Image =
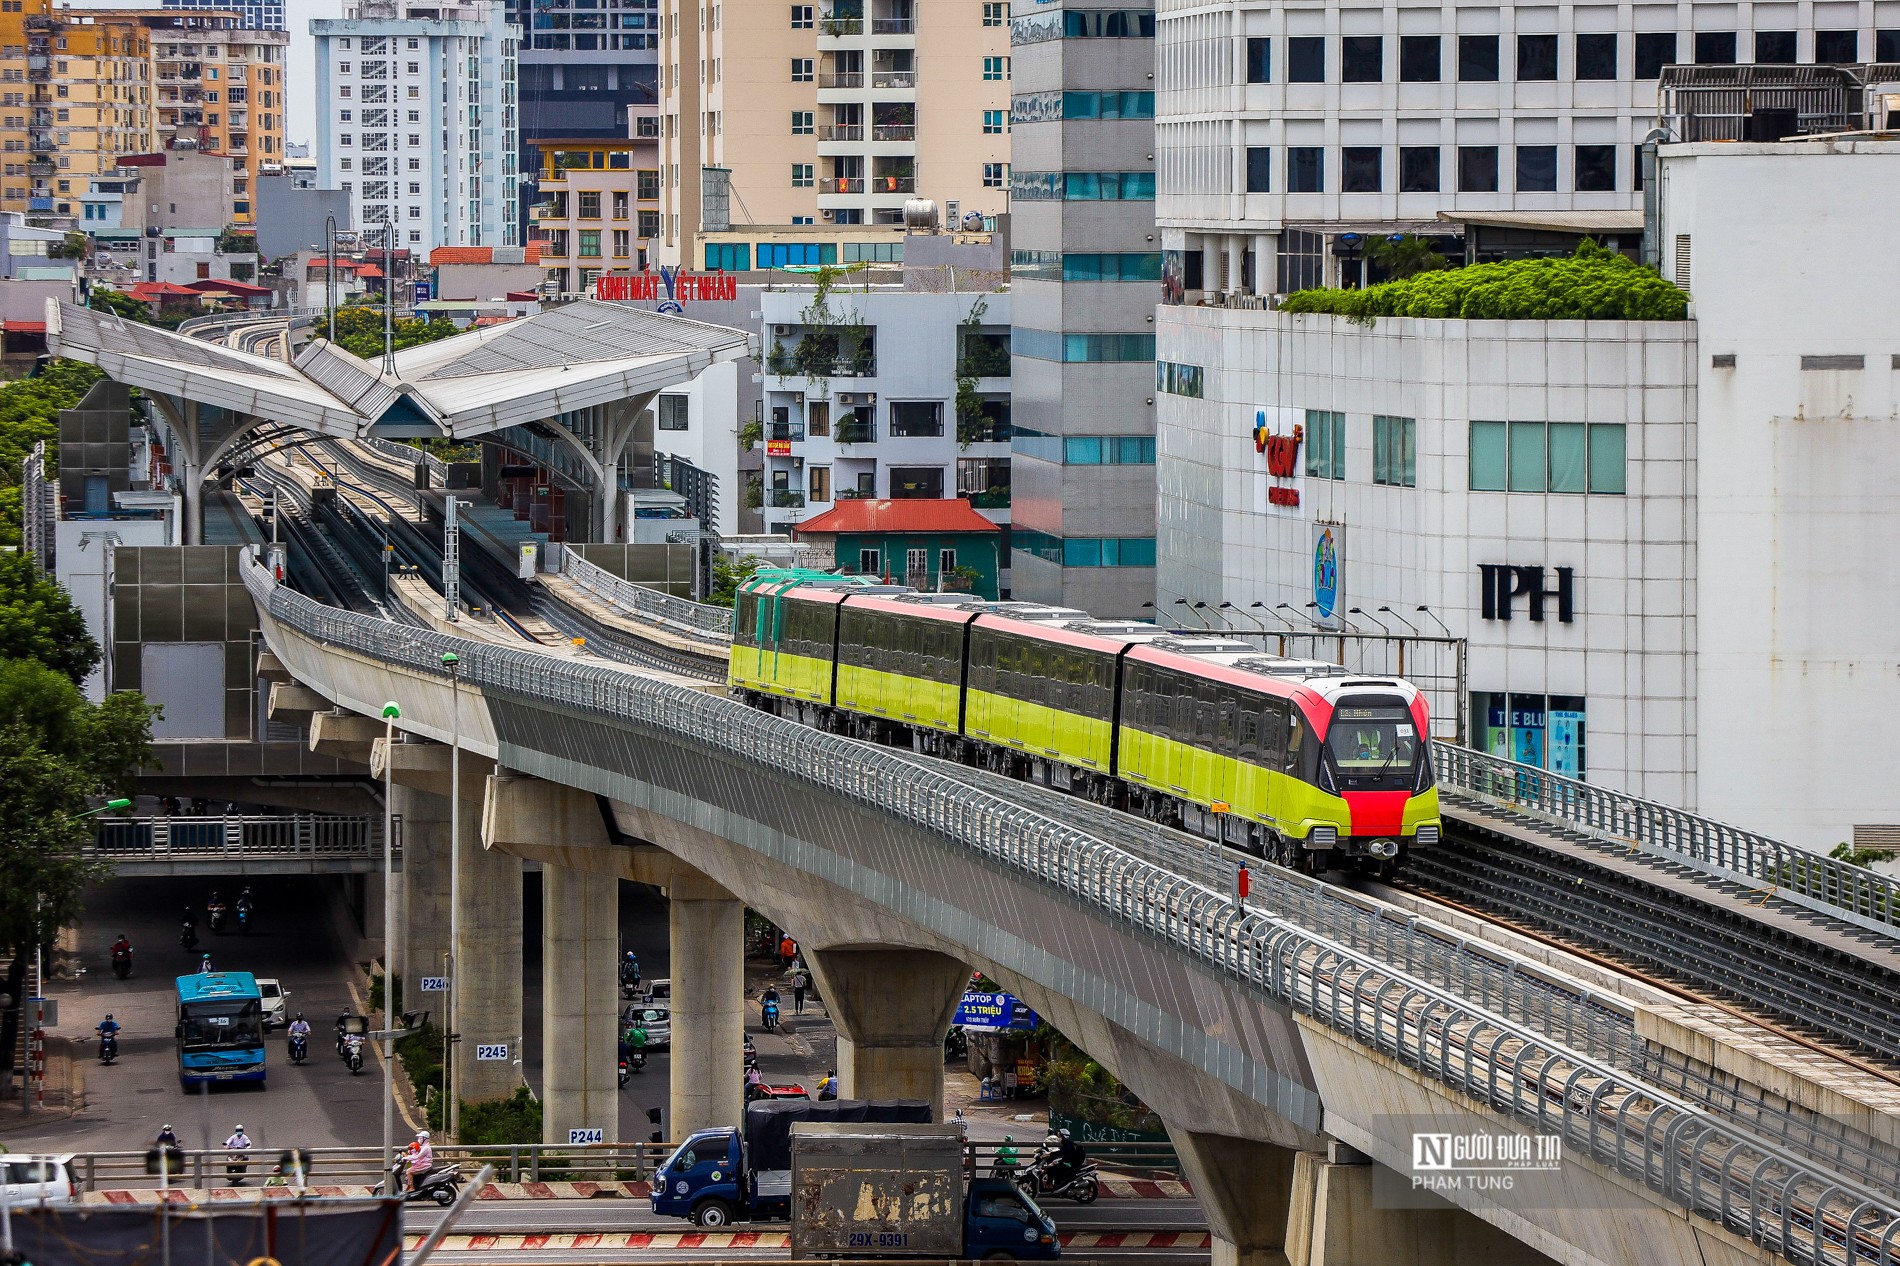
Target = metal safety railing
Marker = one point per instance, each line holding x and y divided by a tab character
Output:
236	836
1843	889
709	623
410	454
1674	1148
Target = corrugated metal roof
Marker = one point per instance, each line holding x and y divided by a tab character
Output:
900	515
584	331
347	377
111	333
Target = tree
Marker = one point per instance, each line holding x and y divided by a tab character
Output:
38	623
1404	255
118	303
359	331
57	751
728	576
29	411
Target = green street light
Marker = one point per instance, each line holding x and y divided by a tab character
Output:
391	711
107	807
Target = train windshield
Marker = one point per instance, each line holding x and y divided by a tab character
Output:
1374	747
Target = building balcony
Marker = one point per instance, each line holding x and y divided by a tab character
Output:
855	433
841	131
989	498
893	26
841	184
893	79
840	28
793	432
842	79
785	499
893	184
894	132
40	167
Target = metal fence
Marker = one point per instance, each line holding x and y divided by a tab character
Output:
237	836
409	455
1842	889
708	623
1753	1187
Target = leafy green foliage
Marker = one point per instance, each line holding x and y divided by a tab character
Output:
120	304
727	577
516	1119
359	331
39	624
1405	255
1592	285
29	411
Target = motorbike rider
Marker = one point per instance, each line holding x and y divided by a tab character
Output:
828	1084
420	1158
107	1028
246	904
768	1001
121	946
636	1038
630	971
237	1146
1006	1160
754	1081
341	1021
167	1137
1066	1163
299	1028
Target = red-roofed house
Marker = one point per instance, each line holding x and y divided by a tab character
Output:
242	292
928	544
482	273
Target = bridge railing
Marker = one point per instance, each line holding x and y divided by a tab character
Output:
1717	1169
438	469
712	624
1856	893
237	836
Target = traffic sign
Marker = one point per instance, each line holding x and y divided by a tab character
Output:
435	984
492	1051
579	1137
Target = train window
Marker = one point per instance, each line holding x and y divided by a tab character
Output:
746	610
1249	734
1224	726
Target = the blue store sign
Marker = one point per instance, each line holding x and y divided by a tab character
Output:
994	1012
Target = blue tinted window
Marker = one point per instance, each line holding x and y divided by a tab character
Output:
733	257
1083	450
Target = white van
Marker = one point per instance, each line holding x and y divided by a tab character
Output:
27	1180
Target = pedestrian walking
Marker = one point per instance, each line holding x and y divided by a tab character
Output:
787	950
800	983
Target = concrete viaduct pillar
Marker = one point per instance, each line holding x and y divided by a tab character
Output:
486	975
1246	1190
1338	1219
422	930
892	1008
564	829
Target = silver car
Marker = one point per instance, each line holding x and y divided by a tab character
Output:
657	1021
273	993
42	1179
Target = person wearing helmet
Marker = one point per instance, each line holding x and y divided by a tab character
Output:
236	1149
630	971
421	1158
1005	1158
1068	1161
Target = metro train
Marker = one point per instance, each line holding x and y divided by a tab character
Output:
1298	761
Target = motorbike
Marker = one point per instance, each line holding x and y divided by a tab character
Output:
299	1048
768	1013
235	1166
244	919
215	917
1038	1180
751	1052
122	963
188	936
440	1184
108	1047
353	1052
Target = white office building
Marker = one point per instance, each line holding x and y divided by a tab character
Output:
418	119
1667	545
880	419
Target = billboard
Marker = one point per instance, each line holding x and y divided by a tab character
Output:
993	1013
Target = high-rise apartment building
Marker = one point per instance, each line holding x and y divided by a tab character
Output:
1085	277
257	15
75	93
418	119
827	114
219	85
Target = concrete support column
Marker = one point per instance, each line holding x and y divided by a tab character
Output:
706	934
1337	1220
487	971
1209	244
422	930
892	1008
580	998
1266	262
1236	253
1245	1188
374	899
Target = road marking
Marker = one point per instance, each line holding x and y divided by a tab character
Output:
718	1240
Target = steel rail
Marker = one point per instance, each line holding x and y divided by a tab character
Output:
1750	1185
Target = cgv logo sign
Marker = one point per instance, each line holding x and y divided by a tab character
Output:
1500	585
1283	458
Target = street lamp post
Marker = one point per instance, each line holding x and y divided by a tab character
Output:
452	1112
329	271
390	714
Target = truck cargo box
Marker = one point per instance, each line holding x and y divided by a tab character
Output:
869	1190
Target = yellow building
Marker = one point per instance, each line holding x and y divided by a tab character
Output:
833	113
221	85
75	93
597	209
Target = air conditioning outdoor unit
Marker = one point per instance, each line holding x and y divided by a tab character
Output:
781	330
847	397
951	212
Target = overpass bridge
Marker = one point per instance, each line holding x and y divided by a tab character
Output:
1311	1050
143	846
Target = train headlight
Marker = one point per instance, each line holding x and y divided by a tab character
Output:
1322	837
1427	836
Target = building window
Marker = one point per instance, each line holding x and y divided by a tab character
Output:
1259	169
916	419
1325	444
623	243
995	122
1085	551
996	13
1081	348
622	204
1532	729
648	223
1536	58
1359	169
802	17
996	68
1775	48
646	184
1418	59
1553	457
1418	169
673	413
1305	169
589	201
1306	59
589	244
1715	48
1179	380
1394	451
1887	46
1596	56
1259	60
995	175
1654	50
1836	47
923	483
802	122
1596	169
801	70
1361	59
1478	58
1537	169
804	175
731	257
1477	169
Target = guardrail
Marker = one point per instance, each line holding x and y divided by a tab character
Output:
235	836
517	1162
223	321
438	469
1674	1148
1851	892
694	619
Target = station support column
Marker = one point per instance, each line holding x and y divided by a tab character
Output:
892	1008
580	991
706	937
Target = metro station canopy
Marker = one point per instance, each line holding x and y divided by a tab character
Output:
537	368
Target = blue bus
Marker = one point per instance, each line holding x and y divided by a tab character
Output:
220	1028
